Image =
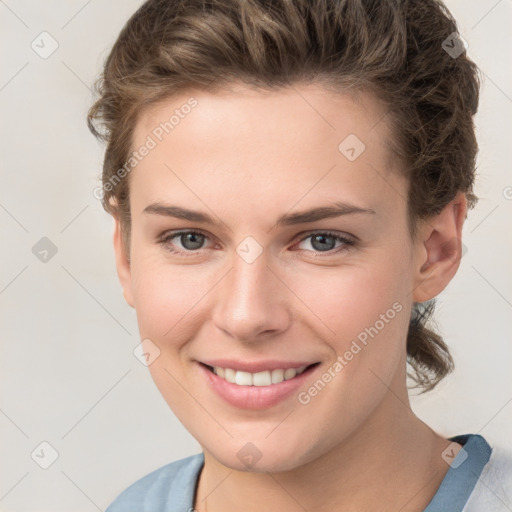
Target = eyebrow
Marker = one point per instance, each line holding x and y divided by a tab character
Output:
312	215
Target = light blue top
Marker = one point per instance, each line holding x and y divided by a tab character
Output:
172	487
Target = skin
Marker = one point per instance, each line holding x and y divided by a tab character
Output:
247	157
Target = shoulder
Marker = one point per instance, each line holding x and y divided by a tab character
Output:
493	490
167	488
479	478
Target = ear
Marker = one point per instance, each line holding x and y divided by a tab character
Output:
122	264
439	250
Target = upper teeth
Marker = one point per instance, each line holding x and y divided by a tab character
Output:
265	378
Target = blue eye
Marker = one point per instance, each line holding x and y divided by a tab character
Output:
325	242
193	241
190	240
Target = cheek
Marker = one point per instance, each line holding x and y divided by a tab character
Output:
362	314
168	305
167	299
346	300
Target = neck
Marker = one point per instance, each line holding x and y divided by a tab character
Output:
393	462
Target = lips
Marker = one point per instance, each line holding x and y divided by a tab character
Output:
260	396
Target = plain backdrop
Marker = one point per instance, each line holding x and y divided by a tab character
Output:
68	374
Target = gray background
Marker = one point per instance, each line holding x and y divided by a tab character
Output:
67	370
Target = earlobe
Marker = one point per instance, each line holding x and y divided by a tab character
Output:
441	251
122	264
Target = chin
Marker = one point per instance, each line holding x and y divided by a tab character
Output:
247	457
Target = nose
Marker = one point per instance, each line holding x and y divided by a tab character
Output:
251	303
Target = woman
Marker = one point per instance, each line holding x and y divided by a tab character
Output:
289	181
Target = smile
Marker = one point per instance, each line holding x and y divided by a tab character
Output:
263	378
267	384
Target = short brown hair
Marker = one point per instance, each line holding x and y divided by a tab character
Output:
395	49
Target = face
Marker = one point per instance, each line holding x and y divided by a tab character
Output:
265	236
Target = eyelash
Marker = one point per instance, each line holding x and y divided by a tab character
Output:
347	242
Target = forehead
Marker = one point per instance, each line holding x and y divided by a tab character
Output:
242	142
307	110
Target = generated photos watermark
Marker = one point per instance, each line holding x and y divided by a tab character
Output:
356	346
156	136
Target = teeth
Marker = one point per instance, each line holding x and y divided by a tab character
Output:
277	376
265	378
243	378
229	374
261	379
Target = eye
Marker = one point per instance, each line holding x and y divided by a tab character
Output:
326	242
190	241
